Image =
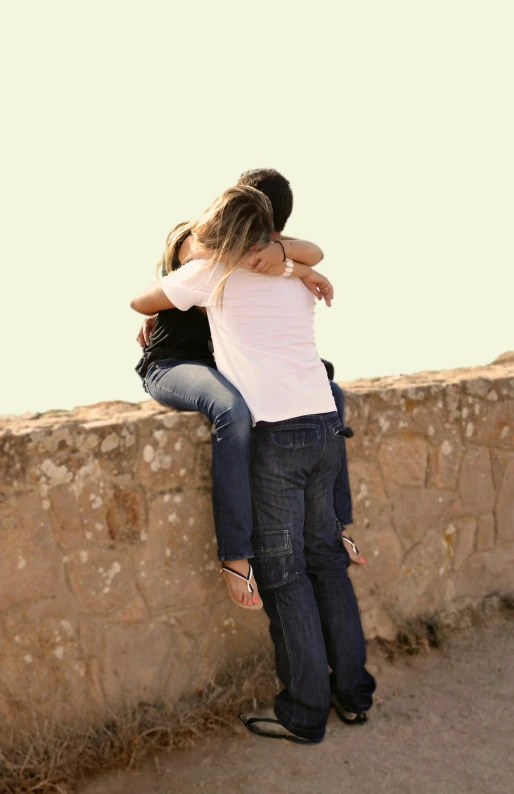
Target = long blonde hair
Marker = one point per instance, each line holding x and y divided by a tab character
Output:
239	219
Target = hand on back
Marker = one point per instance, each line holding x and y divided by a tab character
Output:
146	331
263	259
319	285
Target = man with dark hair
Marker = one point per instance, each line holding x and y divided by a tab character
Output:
276	188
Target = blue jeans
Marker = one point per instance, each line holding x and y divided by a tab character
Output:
300	565
198	386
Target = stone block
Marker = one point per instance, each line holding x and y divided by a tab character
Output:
67	521
356	416
449	454
102	580
485	532
366	482
356	410
225	633
134	612
125	515
191	424
136	661
376	621
505	506
487	572
31	561
177	564
384	554
453	401
495	425
403	460
420	586
42	663
67	455
475	481
96	512
166	459
13	461
371	507
463	539
416	510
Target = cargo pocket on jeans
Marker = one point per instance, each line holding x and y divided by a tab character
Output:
273	561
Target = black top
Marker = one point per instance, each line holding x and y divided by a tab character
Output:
177	334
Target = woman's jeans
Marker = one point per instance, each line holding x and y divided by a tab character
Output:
300	564
198	386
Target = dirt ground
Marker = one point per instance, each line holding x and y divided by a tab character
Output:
443	724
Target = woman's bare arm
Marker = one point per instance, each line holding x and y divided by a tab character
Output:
270	259
151	301
301	251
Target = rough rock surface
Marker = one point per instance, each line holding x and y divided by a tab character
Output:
110	588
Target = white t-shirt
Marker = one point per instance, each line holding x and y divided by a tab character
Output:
263	338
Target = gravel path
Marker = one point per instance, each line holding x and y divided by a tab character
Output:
443	724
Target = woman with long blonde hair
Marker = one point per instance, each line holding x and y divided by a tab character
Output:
234	232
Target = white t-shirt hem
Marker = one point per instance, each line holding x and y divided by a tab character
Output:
285	416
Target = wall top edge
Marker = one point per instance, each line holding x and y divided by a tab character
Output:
499	370
499	373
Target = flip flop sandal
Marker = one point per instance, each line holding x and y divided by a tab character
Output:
348	717
278	731
249	587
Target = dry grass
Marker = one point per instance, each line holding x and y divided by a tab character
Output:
421	634
53	757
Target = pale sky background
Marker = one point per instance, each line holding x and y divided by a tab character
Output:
393	121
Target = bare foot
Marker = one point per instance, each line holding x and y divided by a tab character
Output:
355	556
239	586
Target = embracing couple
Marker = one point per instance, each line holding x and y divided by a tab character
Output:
280	483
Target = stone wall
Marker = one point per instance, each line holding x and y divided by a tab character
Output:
110	588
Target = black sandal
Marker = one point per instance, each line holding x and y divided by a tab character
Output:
281	731
349	718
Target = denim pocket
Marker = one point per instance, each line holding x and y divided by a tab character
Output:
296	436
273	561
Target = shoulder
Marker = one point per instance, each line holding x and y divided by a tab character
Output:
200	271
192	284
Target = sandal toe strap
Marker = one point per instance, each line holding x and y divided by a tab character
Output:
352	544
246	579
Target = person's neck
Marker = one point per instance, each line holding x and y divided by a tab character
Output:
275	236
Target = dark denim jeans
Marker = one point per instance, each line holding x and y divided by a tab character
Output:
198	386
300	565
342	492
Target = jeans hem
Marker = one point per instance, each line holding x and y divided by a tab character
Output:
232	557
311	736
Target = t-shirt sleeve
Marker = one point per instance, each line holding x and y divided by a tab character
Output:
192	285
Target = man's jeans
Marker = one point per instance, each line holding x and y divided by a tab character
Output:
198	386
300	565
